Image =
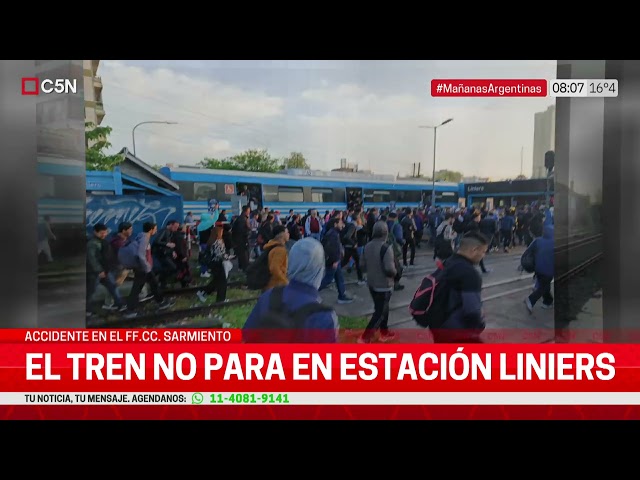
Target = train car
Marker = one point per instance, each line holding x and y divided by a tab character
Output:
61	190
302	190
61	193
509	193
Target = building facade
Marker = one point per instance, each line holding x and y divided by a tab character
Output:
544	139
93	106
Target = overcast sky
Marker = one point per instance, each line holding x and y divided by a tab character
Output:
365	111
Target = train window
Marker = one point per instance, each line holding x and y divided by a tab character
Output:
290	194
378	196
407	196
186	190
63	187
204	191
340	195
270	193
322	195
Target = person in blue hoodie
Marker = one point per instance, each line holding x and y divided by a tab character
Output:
305	271
507	224
544	269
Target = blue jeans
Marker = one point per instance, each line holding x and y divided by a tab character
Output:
337	275
203	268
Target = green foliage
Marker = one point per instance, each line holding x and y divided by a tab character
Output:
448	176
295	160
248	161
97	141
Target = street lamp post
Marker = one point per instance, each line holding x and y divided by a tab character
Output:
133	132
433	177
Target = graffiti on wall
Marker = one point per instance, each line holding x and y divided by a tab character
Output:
112	210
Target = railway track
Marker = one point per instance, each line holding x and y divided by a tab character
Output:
491	291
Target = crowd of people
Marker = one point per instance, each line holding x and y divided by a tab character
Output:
291	257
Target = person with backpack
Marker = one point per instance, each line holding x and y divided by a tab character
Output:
214	256
396	240
294	313
334	253
136	255
350	243
449	301
445	237
379	263
543	252
277	257
269	269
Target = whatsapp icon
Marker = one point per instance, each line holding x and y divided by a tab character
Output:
197	398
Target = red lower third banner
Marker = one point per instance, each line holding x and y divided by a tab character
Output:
212	374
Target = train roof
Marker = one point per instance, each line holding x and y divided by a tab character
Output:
345	177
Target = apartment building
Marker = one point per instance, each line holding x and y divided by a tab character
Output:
93	106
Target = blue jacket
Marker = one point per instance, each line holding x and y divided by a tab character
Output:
543	246
419	224
319	327
396	229
507	222
134	253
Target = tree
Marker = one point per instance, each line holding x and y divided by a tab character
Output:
521	177
448	176
249	161
296	160
96	138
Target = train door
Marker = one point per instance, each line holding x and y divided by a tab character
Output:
489	204
254	192
354	197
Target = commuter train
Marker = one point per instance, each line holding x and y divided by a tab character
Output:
302	190
61	190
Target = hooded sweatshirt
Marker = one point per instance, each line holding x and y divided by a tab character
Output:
380	272
543	246
305	271
134	253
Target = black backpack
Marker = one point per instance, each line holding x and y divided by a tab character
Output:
431	300
258	273
282	325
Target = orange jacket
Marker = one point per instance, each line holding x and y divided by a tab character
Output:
278	264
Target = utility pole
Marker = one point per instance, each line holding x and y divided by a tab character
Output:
521	159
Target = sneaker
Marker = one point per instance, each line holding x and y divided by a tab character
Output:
130	314
202	296
547	307
123	308
362	282
527	302
111	308
344	300
205	275
166	304
89	314
387	336
145	297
